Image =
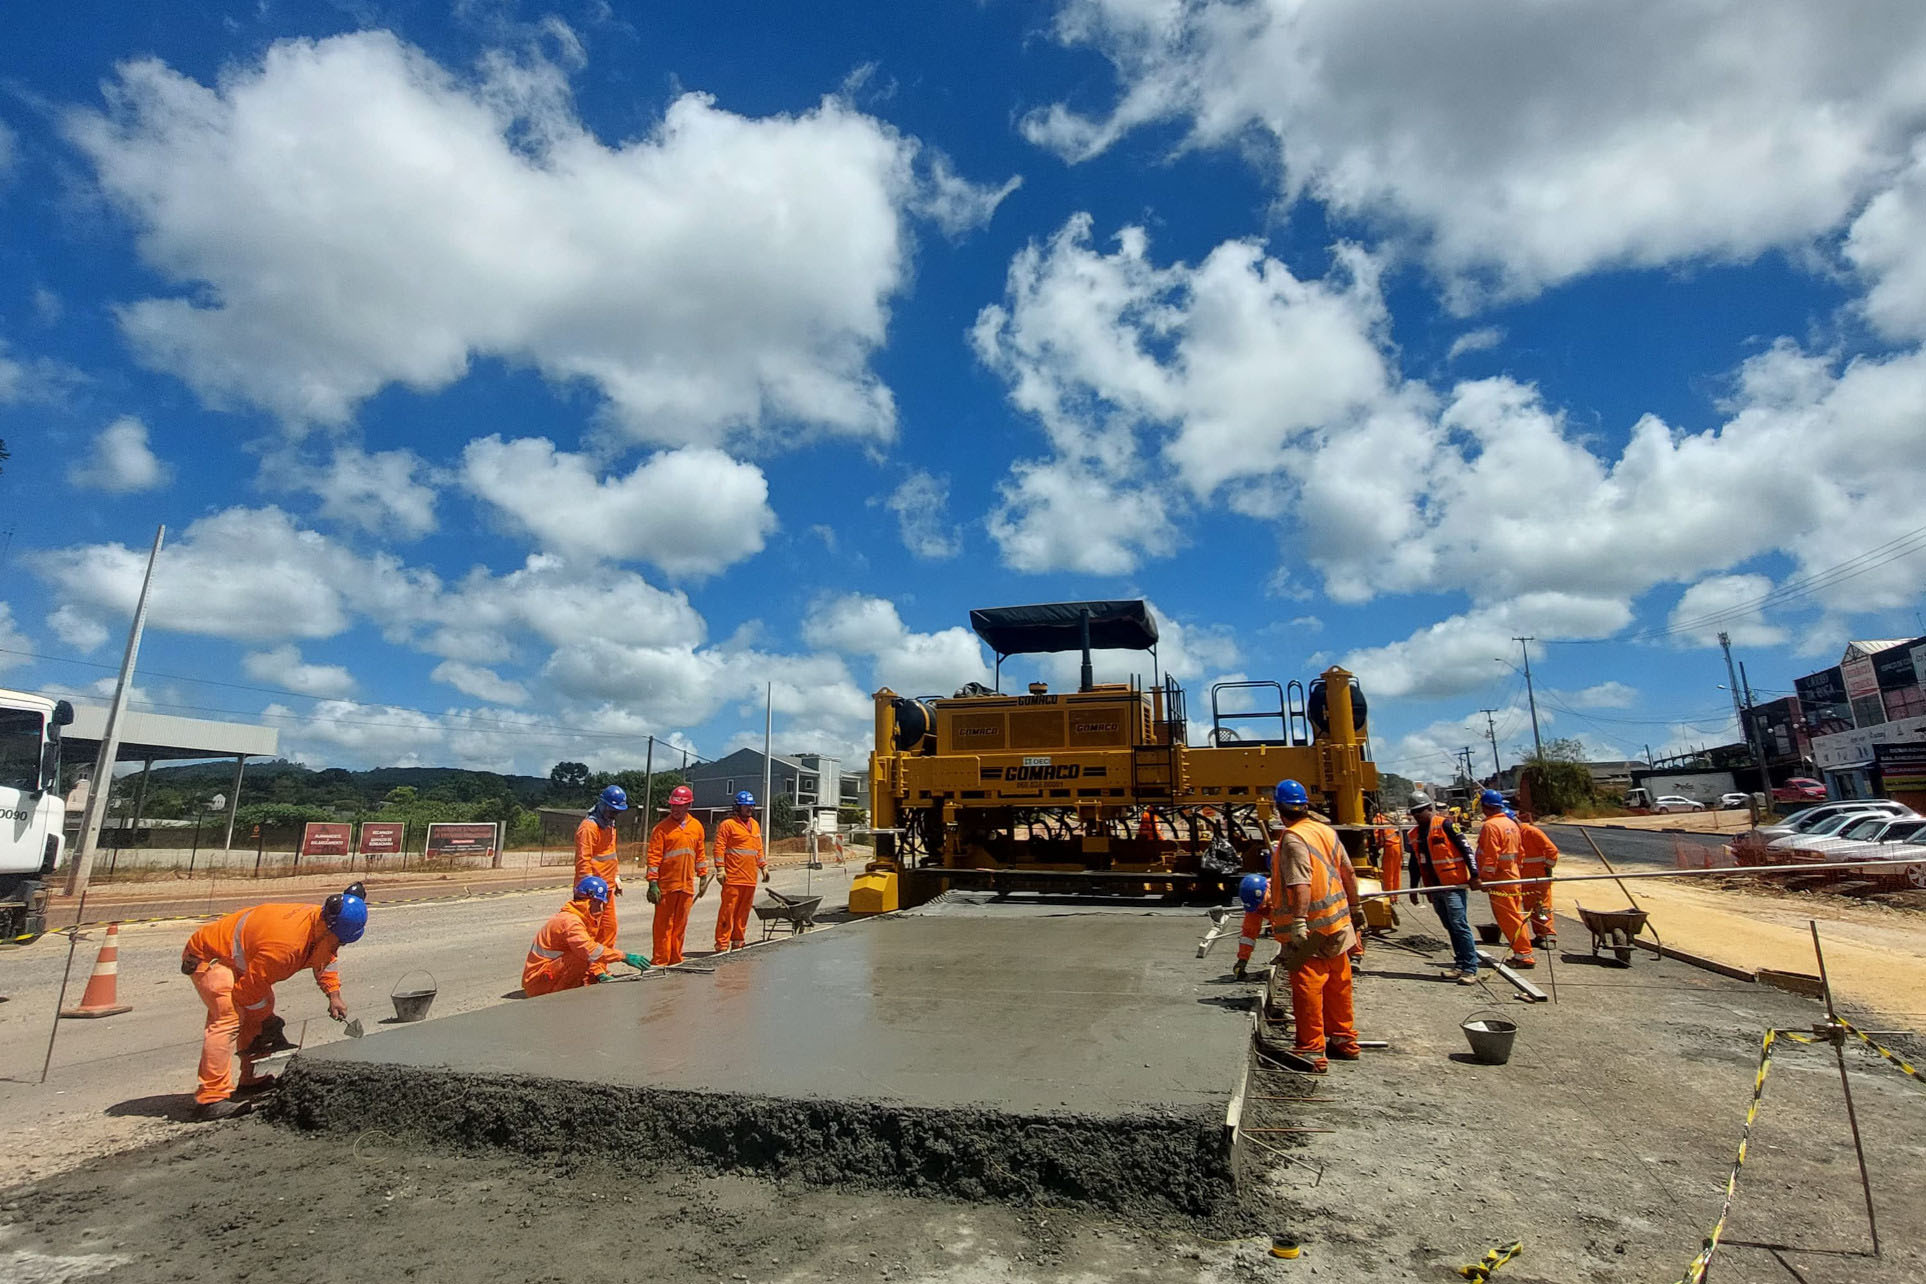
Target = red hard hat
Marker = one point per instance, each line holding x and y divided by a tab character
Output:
681	794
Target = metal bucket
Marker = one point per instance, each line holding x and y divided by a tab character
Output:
1491	1038
413	1004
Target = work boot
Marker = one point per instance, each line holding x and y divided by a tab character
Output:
1342	1051
1521	963
209	1111
1318	1064
256	1087
1467	978
1240	970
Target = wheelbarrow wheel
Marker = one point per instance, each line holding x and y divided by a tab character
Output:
1622	946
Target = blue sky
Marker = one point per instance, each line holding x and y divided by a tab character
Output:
518	382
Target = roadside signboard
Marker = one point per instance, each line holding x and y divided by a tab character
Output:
1902	768
325	838
465	838
1895	668
382	837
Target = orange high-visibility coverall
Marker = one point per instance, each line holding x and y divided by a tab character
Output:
1391	860
676	860
1251	930
567	951
1498	850
1537	855
236	961
740	860
595	854
1321	1007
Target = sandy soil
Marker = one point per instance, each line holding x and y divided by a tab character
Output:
1603	1145
1876	953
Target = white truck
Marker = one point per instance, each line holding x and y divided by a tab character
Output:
31	812
1702	785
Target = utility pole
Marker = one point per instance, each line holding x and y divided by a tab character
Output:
1740	706
1492	732
103	786
1531	696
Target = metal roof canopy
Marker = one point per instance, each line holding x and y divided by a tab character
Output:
160	737
1058	626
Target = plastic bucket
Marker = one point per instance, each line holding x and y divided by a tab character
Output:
412	1004
1491	1039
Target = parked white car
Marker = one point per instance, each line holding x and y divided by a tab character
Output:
1863	840
1673	802
1822	835
1734	802
1754	841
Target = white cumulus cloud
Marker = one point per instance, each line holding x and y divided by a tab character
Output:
480	682
922	508
692	511
121	462
346	214
282	666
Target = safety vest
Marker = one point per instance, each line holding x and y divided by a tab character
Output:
1448	867
1536	851
1330	909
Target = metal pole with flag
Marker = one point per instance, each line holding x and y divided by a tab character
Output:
103	783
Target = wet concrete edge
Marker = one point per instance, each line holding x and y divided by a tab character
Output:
1151	1163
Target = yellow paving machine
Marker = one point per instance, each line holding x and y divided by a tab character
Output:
1100	788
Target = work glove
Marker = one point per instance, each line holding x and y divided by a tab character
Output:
1300	932
655	893
765	875
1357	917
636	961
617	887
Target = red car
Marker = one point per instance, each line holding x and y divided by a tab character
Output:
1799	789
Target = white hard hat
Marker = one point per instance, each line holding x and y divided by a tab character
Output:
1419	800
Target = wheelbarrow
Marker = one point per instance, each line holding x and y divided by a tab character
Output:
797	911
1613	930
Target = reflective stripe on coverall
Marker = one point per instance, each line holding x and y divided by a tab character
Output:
1498	847
567	951
1537	855
740	862
236	961
1321	1007
676	859
595	854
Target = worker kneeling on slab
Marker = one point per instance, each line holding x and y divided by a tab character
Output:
1317	922
1255	893
237	960
568	951
741	864
676	861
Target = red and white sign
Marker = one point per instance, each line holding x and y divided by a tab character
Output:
1861	678
324	838
464	838
382	837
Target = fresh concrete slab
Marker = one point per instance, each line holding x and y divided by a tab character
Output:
1028	1051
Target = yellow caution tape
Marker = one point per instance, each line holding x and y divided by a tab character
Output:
1481	1269
1899	1063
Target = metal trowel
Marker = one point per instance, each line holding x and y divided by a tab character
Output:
353	1029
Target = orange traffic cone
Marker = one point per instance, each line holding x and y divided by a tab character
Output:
99	1000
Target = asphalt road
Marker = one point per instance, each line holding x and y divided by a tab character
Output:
1645	848
142	1062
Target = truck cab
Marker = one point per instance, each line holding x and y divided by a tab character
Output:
31	811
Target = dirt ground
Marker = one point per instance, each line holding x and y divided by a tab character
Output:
1603	1145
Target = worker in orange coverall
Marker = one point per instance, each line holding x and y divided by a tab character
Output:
1317	924
237	960
1498	851
1255	893
595	853
1538	858
568	951
741	864
676	860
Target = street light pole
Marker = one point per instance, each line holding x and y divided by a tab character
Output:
1746	727
1531	697
1492	732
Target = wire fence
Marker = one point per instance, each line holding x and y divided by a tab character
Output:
164	851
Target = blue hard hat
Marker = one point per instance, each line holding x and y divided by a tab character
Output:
592	888
1291	794
1251	891
744	798
346	914
614	798
1491	798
